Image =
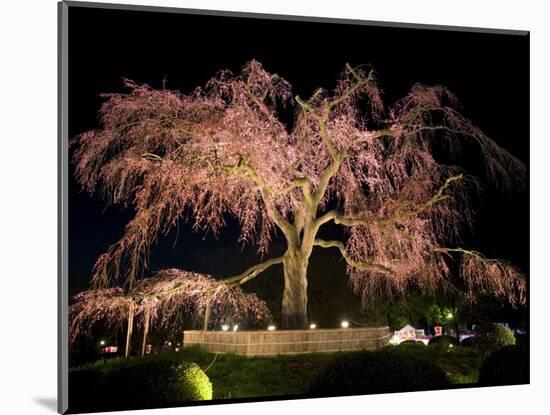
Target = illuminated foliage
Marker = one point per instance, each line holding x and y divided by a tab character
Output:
108	306
174	291
163	297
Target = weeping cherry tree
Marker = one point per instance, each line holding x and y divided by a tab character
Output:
347	158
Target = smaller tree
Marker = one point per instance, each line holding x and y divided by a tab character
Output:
491	337
160	300
446	315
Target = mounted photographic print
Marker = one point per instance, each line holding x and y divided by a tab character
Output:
261	207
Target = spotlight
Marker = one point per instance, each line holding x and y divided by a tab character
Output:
235	327
225	327
345	324
271	328
313	326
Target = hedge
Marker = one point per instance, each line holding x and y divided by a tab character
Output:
138	384
378	372
506	366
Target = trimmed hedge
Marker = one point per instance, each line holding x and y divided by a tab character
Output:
378	372
506	366
491	337
443	341
139	384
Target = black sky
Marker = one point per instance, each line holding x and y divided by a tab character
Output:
489	73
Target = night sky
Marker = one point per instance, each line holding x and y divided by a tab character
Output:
489	73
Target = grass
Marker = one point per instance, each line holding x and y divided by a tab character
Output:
236	376
460	364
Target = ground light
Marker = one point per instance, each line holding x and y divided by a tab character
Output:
235	327
225	327
313	326
271	328
102	342
344	324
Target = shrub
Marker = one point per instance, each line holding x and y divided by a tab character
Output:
378	372
141	384
195	384
412	344
491	337
443	341
159	383
506	366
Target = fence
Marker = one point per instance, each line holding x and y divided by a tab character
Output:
269	343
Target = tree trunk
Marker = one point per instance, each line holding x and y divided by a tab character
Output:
145	331
129	329
207	315
294	312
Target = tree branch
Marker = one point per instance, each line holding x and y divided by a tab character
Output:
489	275
389	132
151	156
244	166
322	118
362	265
463	251
351	90
240	279
305	105
340	219
323	115
252	272
286	227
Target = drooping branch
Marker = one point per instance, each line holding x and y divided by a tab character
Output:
89	308
360	265
489	276
160	299
404	210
